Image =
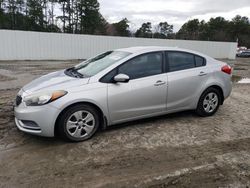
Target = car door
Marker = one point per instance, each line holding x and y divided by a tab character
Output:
144	94
187	75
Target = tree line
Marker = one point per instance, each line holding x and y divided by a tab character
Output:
76	16
84	17
217	29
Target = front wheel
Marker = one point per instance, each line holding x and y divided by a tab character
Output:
209	102
78	123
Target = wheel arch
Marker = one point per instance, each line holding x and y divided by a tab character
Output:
100	111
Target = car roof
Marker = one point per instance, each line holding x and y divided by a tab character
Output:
145	49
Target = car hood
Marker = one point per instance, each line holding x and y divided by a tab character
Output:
54	81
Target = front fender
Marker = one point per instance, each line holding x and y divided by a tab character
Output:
96	96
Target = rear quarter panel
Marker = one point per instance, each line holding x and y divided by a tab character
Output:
220	78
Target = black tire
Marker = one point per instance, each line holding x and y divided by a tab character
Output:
200	110
63	119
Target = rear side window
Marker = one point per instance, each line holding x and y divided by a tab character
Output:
180	61
143	66
199	61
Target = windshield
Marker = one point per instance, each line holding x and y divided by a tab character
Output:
95	65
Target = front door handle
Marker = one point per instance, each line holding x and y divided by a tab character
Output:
202	73
159	83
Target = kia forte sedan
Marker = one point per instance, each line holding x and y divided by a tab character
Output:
119	86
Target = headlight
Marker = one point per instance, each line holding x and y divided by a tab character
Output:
43	98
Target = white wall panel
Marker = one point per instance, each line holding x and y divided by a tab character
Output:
24	45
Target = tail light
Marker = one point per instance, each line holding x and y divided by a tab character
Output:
226	69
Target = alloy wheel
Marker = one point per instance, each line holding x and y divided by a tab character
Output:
80	124
210	102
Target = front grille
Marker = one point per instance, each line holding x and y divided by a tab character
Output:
18	100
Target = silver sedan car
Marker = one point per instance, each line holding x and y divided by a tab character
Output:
119	86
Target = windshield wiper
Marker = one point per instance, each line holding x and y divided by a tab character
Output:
73	72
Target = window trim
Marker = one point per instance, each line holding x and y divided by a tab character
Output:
116	68
194	55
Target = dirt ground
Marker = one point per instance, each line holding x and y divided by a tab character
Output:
177	150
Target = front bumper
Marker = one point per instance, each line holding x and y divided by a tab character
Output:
36	120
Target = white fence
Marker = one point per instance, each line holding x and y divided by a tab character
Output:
23	45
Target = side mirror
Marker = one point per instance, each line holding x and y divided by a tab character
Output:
123	78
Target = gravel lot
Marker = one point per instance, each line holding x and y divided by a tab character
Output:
177	150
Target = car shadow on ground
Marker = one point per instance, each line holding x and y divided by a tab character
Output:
136	123
148	121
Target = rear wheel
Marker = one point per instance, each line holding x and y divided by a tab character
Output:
209	102
78	123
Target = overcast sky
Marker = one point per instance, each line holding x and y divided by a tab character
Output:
175	12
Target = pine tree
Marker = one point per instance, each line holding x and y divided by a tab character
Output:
1	6
145	31
51	12
2	15
66	6
62	17
91	21
51	25
35	14
11	9
15	9
122	27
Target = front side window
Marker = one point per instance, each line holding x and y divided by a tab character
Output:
180	61
143	66
95	65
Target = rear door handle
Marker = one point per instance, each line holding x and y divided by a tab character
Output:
202	73
159	83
